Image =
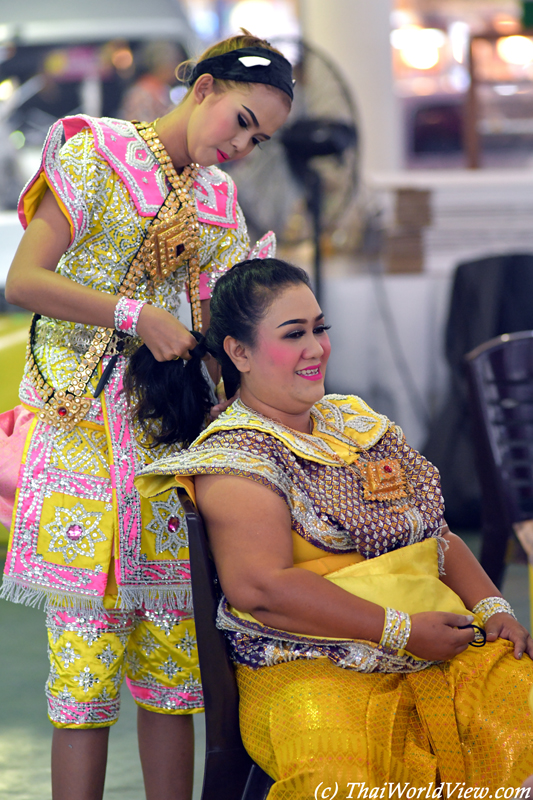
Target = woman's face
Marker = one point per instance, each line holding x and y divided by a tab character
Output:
225	126
284	371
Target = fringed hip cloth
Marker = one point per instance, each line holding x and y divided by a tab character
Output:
310	724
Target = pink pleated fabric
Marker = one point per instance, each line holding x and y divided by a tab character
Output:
14	425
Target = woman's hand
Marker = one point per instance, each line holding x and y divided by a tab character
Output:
217	409
436	635
164	335
505	626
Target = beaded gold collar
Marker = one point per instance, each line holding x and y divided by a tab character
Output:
382	480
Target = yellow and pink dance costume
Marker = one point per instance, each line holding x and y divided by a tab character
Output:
112	568
343	718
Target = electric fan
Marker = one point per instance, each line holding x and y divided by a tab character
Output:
304	179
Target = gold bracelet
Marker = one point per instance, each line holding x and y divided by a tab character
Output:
396	630
492	605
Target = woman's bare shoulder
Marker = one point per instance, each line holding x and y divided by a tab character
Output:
221	497
215	491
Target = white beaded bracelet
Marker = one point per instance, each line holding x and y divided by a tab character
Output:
396	630
492	605
127	315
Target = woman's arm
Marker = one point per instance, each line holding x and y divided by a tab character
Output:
468	579
250	533
464	574
32	283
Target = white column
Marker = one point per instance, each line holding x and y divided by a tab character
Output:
355	34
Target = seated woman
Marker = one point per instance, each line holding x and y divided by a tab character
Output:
348	603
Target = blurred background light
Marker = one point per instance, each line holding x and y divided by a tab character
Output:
506	89
401	17
459	78
204	20
17	139
419	47
459	35
7	88
271	18
503	23
516	50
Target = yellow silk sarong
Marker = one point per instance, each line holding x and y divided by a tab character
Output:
406	579
310	722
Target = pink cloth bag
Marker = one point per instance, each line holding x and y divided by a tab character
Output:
14	425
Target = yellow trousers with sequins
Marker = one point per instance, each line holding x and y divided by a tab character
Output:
311	724
91	654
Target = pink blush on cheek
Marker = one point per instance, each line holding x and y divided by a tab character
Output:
279	354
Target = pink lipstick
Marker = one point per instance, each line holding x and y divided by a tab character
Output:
222	156
310	373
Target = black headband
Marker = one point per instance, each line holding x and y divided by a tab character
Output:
248	65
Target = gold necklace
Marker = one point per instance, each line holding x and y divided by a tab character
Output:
175	239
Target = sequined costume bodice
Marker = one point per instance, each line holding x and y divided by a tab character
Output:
327	503
331	507
107	233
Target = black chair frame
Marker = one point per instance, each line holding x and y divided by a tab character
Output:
500	375
229	772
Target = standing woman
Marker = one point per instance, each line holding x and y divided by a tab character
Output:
120	216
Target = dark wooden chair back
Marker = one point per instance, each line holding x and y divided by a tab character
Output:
229	773
500	374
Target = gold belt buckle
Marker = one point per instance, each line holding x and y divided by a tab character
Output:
65	410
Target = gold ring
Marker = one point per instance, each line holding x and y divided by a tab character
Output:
176	358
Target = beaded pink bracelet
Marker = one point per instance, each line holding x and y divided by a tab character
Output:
127	315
